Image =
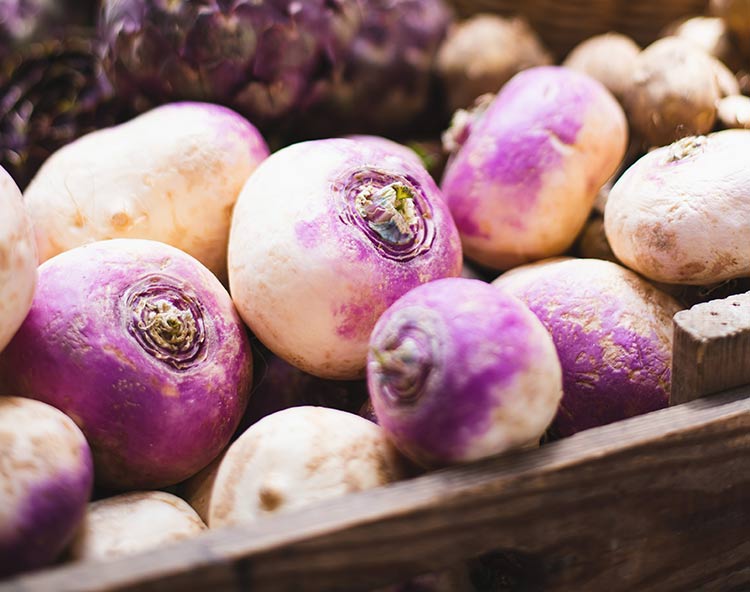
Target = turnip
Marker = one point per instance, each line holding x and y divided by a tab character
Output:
613	333
46	476
133	523
483	52
292	459
18	259
172	175
141	346
674	92
610	58
459	370
316	256
523	183
681	214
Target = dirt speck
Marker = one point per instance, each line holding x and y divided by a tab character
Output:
270	498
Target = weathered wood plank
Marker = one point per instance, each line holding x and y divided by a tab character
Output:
658	502
711	348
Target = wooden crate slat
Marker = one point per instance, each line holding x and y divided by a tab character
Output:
711	348
610	508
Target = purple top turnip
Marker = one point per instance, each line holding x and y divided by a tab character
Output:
459	370
18	259
141	346
521	186
46	477
316	256
613	333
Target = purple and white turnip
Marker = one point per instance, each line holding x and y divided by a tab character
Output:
315	256
140	344
46	478
613	333
172	174
458	370
18	259
523	183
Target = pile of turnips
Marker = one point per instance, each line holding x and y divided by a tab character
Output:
201	329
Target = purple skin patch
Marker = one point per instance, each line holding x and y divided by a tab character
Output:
48	519
93	346
515	144
438	359
347	241
611	371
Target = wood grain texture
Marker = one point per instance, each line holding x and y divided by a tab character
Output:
659	502
711	350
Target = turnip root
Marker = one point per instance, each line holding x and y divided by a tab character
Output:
46	477
172	175
613	332
294	458
734	112
523	183
482	53
140	344
674	92
18	259
681	214
132	523
317	256
609	58
459	370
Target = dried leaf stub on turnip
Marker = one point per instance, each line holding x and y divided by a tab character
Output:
524	179
133	523
613	333
140	344
172	174
45	483
459	370
681	214
294	458
18	259
316	256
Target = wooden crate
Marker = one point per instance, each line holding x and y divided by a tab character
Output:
659	502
